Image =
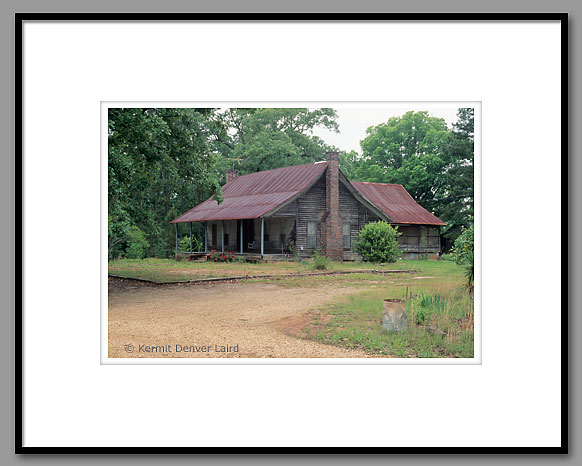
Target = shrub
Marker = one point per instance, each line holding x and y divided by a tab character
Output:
377	242
184	244
463	252
421	315
136	243
117	237
319	261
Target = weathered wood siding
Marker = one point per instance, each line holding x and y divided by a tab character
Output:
365	216
290	210
419	238
350	212
310	207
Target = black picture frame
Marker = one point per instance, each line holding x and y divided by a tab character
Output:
20	18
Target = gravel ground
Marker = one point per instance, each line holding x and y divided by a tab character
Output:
244	320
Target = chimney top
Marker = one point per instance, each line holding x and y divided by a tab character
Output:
329	156
231	174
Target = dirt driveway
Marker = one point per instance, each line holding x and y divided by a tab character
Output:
244	320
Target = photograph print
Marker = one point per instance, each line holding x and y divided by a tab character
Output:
341	231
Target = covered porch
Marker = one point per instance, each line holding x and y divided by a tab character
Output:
266	237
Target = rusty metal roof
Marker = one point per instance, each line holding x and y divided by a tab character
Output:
254	195
395	202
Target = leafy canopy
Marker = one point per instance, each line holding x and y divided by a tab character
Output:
161	160
266	138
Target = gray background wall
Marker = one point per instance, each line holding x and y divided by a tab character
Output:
9	7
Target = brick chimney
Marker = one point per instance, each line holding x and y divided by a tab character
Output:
333	245
230	174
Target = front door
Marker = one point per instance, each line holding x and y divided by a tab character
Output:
214	235
248	232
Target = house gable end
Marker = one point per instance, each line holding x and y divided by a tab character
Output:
360	198
281	207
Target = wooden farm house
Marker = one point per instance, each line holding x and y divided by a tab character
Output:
308	207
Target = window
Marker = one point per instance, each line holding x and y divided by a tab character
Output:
347	236
225	234
311	234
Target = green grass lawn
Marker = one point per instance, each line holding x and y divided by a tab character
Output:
440	300
170	270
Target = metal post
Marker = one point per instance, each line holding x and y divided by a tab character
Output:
262	236
190	237
241	236
222	231
205	236
176	238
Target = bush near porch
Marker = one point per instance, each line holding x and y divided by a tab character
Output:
378	242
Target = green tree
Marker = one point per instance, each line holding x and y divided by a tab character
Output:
465	124
161	162
401	138
266	138
137	244
457	206
348	163
434	163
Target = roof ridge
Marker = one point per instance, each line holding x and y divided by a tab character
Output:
274	169
375	182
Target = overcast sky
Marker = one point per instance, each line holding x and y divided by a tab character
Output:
354	121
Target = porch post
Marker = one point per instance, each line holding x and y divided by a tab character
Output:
190	237
206	236
241	236
222	231
262	236
176	238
